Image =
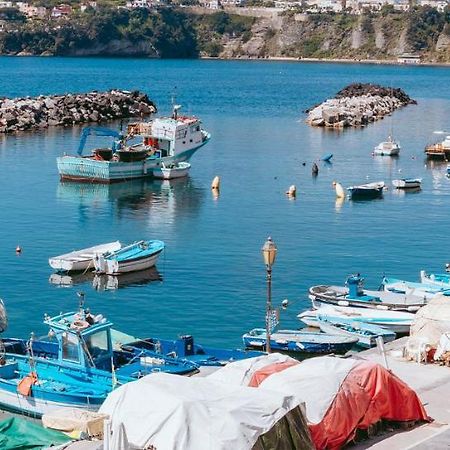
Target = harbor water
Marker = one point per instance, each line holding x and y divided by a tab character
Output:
211	280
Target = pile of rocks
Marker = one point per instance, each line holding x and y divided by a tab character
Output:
357	105
41	112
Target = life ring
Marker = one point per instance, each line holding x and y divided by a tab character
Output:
79	325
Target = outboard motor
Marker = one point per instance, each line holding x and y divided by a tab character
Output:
185	346
355	284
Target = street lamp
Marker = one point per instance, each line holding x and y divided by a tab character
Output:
269	252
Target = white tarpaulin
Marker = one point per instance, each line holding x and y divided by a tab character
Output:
432	320
181	413
240	373
316	381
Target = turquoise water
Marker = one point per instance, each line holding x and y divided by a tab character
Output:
213	277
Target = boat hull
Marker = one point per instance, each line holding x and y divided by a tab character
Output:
114	267
300	342
407	184
82	169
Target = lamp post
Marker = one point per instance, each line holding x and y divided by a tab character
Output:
269	252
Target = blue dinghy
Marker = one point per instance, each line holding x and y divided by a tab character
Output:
366	191
183	348
138	256
327	157
299	341
364	332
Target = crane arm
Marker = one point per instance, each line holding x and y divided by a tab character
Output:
96	131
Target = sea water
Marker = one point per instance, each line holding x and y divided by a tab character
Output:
212	277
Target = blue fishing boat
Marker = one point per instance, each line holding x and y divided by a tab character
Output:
78	368
354	294
163	140
137	256
183	348
365	333
402	286
439	280
299	341
366	191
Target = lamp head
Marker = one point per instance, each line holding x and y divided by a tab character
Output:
269	252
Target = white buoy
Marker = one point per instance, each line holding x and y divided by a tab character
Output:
215	185
285	302
18	249
340	193
292	191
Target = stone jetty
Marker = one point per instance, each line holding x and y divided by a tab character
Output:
31	113
357	105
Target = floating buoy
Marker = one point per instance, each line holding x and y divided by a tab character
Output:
292	191
315	169
340	193
304	164
18	249
285	302
215	185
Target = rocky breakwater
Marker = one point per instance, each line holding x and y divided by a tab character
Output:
357	105
30	113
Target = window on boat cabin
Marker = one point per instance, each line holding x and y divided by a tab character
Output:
97	344
70	348
195	128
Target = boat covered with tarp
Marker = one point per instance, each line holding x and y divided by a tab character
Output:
198	413
341	396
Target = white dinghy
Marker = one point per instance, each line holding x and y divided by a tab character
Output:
82	259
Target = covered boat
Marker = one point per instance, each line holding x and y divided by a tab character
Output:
199	413
81	260
366	191
183	348
299	341
172	170
407	183
340	395
138	256
164	140
364	332
353	294
396	321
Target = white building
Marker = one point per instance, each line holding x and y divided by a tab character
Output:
438	4
408	58
6	4
31	10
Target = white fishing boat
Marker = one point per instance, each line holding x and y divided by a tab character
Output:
440	280
137	256
162	140
387	148
407	183
396	321
169	171
81	260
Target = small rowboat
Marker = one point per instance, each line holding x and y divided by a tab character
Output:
366	333
299	341
396	321
407	183
138	256
80	260
173	170
366	191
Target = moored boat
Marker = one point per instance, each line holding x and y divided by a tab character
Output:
440	280
366	191
172	170
81	260
440	150
407	183
387	148
164	140
137	256
183	348
327	157
353	294
365	332
299	341
410	287
397	321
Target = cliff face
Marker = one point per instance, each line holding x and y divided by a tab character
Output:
381	36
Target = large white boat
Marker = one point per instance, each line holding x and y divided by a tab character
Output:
387	148
163	141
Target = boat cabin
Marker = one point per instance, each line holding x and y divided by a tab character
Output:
355	285
83	339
